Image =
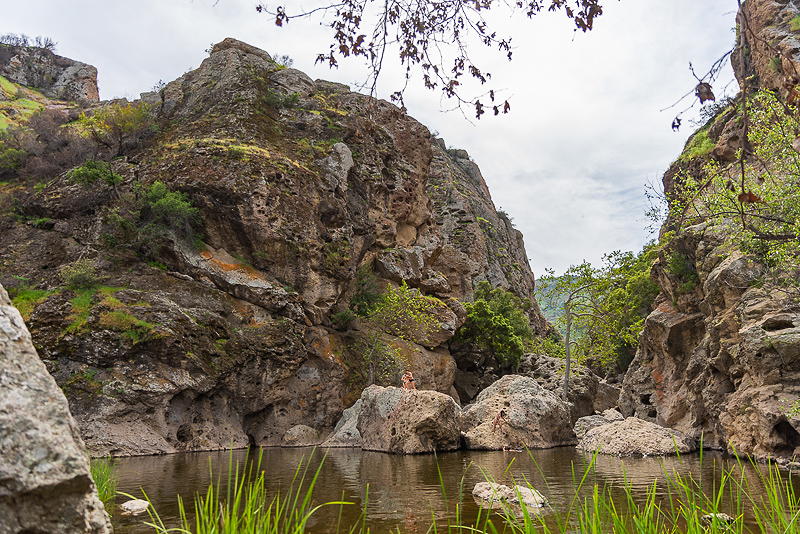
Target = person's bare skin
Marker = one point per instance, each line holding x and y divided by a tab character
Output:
499	420
408	380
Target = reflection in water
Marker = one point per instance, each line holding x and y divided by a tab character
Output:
404	491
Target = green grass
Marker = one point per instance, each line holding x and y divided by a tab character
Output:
25	299
131	327
104	474
8	88
763	501
699	145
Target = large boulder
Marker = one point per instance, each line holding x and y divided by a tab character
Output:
586	423
346	433
635	437
404	421
587	394
45	485
534	417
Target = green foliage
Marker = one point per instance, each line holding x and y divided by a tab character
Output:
406	313
277	100
367	292
131	327
26	298
794	24
342	320
94	171
105	478
80	274
548	346
497	322
372	360
608	306
759	210
11	159
683	268
699	145
116	124
170	209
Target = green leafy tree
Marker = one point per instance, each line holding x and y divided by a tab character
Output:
94	171
497	322
406	313
601	311
115	124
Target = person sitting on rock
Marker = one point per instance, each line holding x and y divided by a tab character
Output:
499	420
408	380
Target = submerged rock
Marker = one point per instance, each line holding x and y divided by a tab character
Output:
134	507
534	417
493	496
404	421
635	437
45	485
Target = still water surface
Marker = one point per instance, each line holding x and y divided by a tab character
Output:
404	491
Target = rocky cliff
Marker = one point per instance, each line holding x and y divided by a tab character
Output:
720	356
55	76
45	484
306	193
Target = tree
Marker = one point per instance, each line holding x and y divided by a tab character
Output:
497	322
601	311
431	39
116	124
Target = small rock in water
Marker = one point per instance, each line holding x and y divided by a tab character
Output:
721	518
134	507
492	495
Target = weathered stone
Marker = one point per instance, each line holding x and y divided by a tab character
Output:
492	495
404	421
300	436
635	437
55	76
534	417
586	423
346	433
134	507
587	394
45	485
612	415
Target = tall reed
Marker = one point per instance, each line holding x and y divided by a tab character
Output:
105	478
730	503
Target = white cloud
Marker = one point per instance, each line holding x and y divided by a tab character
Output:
569	163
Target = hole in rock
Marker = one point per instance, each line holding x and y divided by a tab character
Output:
652	413
777	323
787	434
646	399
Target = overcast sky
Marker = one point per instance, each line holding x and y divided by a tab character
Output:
569	164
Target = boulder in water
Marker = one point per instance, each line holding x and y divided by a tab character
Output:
406	421
635	437
534	417
346	433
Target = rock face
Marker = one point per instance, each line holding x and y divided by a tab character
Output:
534	417
307	194
403	421
57	77
635	437
45	485
723	361
720	355
586	423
